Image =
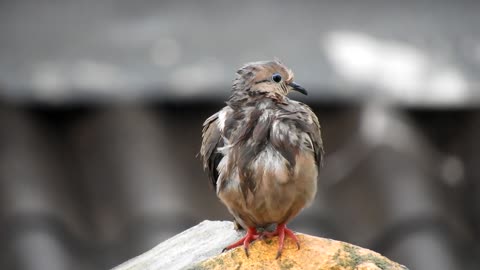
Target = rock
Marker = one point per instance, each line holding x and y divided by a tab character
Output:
200	248
198	243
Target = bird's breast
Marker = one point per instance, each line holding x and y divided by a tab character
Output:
279	191
270	164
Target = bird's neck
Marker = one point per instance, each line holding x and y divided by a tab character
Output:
253	99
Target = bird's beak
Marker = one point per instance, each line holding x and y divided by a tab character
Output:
298	88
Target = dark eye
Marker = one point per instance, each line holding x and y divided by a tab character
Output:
276	77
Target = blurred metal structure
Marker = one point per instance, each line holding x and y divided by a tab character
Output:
413	52
102	104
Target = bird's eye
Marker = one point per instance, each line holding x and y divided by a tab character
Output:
276	77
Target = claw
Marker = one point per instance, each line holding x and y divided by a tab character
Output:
246	251
281	231
245	241
279	254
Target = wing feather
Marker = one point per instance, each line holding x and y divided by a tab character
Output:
211	141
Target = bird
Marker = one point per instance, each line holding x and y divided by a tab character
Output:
263	152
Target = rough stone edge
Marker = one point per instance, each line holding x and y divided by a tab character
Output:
187	248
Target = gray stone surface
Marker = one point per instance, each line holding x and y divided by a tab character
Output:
198	243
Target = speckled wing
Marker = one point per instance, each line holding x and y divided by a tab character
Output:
315	133
306	121
211	140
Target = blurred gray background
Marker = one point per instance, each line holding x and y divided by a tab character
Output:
102	102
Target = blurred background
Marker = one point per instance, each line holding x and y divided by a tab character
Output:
102	102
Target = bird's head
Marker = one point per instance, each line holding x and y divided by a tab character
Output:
264	78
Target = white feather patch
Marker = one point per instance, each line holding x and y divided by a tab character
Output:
222	116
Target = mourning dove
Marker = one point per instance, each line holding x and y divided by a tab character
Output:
263	152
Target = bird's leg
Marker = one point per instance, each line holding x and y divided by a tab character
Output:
245	241
281	231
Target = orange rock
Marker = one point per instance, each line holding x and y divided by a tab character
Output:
314	253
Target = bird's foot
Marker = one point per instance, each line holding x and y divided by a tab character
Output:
281	231
245	241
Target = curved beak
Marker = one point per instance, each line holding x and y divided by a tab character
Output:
298	88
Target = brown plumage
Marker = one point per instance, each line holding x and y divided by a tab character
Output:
263	151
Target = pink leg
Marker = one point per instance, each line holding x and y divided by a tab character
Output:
245	241
281	231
